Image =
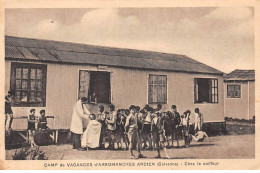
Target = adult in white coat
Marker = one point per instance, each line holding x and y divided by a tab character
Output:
79	112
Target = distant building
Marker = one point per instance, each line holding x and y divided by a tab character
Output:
240	94
53	75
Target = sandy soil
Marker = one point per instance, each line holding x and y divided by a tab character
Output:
218	147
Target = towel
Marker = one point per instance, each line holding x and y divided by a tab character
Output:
91	135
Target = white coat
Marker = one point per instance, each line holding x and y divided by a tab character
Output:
79	112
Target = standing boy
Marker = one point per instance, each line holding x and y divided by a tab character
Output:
185	127
157	129
140	123
176	118
8	109
147	125
168	126
101	118
131	129
31	127
198	120
111	126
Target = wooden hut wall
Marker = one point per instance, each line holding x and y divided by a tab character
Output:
128	86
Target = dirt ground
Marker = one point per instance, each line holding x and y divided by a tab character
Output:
218	147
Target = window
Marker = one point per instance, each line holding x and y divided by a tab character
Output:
205	90
233	91
157	89
29	83
97	82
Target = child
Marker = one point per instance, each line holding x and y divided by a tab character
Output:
147	126
111	126
200	136
185	127
159	107
91	136
140	123
176	119
42	124
198	120
8	109
31	127
93	99
126	112
168	126
120	129
157	130
101	118
131	129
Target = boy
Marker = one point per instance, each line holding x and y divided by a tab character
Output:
131	129
8	109
111	126
91	136
101	118
198	120
31	126
42	124
168	126
176	119
157	130
140	123
159	107
120	129
147	125
200	136
185	127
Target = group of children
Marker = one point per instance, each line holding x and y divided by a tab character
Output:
137	127
36	123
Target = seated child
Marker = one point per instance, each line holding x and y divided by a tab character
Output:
31	127
91	136
200	136
42	123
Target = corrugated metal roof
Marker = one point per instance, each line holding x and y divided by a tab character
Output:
64	52
240	75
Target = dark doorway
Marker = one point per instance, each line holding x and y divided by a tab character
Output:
100	85
203	90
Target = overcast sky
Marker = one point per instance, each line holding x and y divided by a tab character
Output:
220	37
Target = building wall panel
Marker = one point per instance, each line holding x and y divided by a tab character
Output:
237	107
128	86
251	99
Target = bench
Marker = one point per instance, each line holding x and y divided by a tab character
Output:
54	132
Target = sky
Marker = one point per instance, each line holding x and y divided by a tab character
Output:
221	37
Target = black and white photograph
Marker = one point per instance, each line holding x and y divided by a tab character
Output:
129	84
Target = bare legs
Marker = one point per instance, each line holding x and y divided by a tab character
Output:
31	138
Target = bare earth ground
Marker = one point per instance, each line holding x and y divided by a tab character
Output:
218	147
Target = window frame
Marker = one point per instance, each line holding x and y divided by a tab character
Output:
29	66
166	89
195	94
234	85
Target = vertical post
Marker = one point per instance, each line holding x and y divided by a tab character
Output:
56	136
